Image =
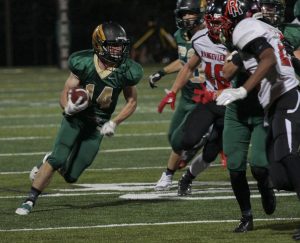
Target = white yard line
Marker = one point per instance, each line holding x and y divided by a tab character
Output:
58	124
101	151
25	138
145	224
58	115
103	169
117	135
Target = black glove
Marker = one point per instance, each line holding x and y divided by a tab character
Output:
153	78
288	47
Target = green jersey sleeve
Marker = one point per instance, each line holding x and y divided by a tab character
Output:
292	33
133	72
79	62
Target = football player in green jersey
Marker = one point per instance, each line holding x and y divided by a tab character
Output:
189	19
104	72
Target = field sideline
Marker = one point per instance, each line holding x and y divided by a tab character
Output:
114	200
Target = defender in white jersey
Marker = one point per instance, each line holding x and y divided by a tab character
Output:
211	55
273	75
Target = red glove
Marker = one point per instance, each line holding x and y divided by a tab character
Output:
203	95
168	99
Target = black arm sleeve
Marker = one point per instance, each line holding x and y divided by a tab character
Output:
296	65
257	46
237	60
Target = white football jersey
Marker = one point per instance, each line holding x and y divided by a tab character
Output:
213	58
281	78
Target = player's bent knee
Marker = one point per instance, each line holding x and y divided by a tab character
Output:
210	155
236	161
56	163
259	173
70	179
237	176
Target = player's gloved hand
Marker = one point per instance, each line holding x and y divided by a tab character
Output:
204	95
229	95
108	129
73	108
288	47
153	78
170	98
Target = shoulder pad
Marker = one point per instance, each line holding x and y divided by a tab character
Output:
246	31
199	33
78	61
134	72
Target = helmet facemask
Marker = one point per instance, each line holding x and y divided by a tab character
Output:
273	13
219	27
114	52
187	23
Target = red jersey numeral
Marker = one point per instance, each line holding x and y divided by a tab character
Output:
285	60
216	78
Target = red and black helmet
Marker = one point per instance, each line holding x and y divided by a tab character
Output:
237	10
215	21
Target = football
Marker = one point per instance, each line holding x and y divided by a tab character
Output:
76	93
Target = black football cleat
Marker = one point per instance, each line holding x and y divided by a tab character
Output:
268	198
184	185
245	225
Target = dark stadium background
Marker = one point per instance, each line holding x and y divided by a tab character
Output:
33	27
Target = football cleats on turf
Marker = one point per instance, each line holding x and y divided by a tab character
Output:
164	183
193	7
25	208
246	224
185	185
273	11
110	43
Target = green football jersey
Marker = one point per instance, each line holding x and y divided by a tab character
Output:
249	106
292	33
103	92
185	51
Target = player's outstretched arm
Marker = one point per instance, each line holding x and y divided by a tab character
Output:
173	67
185	73
130	94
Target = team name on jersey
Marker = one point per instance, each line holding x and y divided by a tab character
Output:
213	56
